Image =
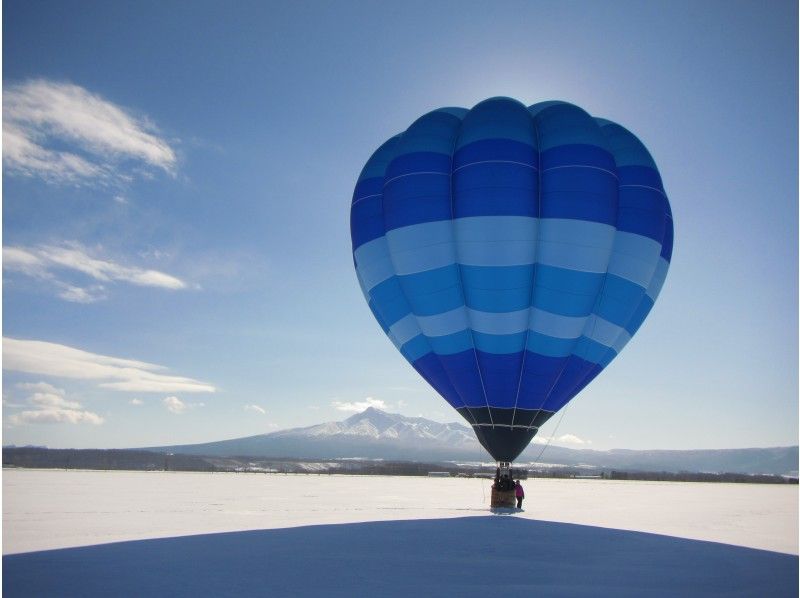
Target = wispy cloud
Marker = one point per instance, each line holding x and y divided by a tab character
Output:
39	387
22	155
49	405
61	361
178	407
66	134
359	406
74	294
136	402
255	409
47	262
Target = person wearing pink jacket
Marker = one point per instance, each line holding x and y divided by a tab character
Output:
519	492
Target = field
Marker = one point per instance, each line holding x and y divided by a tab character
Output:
165	533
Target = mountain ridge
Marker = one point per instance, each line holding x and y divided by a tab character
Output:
377	434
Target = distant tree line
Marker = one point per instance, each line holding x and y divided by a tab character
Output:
688	476
139	460
101	459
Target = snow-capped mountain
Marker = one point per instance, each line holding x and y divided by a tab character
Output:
376	424
375	434
372	434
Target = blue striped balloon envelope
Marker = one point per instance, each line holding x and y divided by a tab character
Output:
510	253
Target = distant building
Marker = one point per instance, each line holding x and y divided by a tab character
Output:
438	474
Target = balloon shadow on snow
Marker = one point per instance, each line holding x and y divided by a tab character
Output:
470	556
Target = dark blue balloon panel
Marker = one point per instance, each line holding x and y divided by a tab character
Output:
510	253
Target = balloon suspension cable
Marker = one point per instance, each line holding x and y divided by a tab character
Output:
560	419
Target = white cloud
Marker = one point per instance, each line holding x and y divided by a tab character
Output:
82	295
51	407
55	416
46	400
62	361
176	406
359	406
571	439
44	260
136	402
65	134
22	260
40	387
22	155
11	404
563	439
256	409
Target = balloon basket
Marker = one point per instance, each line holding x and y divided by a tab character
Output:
503	499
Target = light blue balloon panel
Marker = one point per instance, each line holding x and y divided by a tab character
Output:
510	253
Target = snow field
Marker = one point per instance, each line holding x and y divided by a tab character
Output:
46	509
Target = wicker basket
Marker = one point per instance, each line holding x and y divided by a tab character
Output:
503	498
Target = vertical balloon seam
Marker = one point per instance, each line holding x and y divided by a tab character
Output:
587	374
624	329
567	358
592	319
666	221
614	349
461	279
374	307
531	313
458	268
433	352
536	117
475	420
487	358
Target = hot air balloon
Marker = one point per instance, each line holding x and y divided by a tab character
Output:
510	253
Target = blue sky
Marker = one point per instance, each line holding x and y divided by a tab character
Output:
176	189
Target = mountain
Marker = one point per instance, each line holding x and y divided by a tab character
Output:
375	434
770	461
372	434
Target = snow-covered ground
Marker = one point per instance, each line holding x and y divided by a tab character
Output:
44	510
